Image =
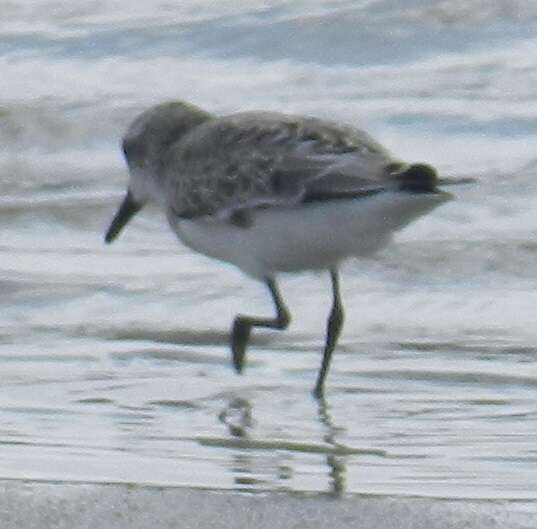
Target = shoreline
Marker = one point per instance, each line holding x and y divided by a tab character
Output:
36	505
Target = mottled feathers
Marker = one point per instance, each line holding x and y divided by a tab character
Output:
224	167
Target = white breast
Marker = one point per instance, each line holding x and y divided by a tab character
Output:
311	236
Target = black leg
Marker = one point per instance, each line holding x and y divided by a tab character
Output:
242	326
335	323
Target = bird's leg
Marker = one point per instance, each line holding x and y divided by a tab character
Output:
335	323
242	326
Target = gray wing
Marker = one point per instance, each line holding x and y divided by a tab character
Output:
243	161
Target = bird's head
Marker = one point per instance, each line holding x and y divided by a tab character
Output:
145	144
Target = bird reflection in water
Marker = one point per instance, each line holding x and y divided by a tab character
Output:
253	462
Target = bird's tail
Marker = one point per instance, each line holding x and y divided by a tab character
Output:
420	177
456	181
417	178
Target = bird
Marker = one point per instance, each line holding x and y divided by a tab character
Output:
272	193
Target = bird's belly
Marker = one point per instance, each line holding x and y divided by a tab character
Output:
306	237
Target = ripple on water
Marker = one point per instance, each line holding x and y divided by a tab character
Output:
115	360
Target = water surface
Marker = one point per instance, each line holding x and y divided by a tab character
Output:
115	361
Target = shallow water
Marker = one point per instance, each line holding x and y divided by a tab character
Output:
115	361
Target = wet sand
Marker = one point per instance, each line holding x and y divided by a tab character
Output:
87	506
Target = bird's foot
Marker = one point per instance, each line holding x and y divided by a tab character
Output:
240	336
318	391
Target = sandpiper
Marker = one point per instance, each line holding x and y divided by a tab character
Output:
272	193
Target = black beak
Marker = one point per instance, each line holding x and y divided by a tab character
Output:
126	211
